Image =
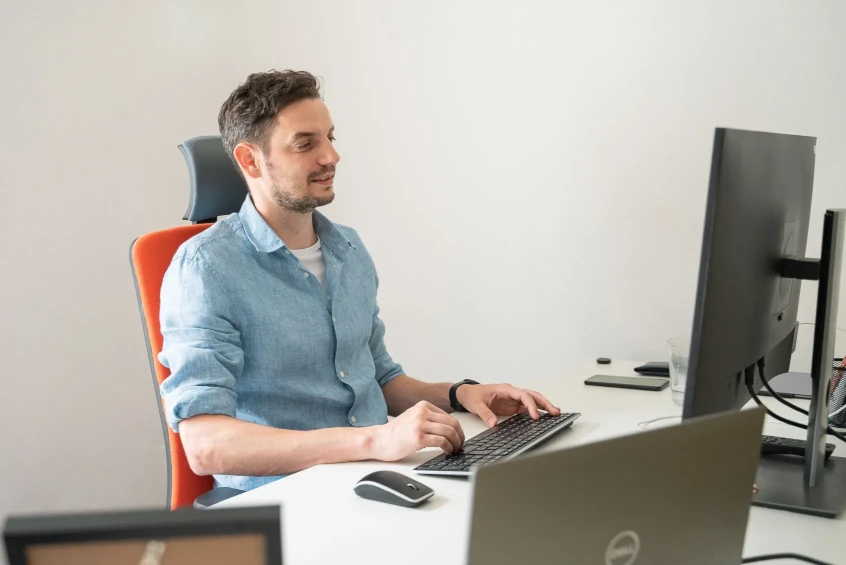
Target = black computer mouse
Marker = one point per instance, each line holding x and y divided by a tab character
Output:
393	488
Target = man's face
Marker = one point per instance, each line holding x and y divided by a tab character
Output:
298	168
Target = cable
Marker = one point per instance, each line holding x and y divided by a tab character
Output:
838	411
790	404
644	425
774	556
774	394
836	434
784	420
813	324
653	420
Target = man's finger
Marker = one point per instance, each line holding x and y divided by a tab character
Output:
487	416
449	421
430	440
544	403
527	400
443	430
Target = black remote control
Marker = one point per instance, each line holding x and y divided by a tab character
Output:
774	445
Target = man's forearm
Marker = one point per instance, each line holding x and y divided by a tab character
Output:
403	392
218	444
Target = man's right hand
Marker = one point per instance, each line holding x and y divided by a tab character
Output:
423	425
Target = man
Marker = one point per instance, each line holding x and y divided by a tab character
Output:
270	321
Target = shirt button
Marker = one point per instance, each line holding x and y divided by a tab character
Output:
352	419
305	275
287	252
341	374
334	319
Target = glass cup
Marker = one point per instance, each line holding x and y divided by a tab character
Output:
679	357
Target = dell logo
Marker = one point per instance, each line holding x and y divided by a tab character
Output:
623	549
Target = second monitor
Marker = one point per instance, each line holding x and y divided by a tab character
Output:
745	319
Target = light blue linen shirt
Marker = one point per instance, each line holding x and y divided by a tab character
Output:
250	333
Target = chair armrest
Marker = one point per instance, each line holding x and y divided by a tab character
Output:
214	496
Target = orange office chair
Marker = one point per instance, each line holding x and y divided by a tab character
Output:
216	189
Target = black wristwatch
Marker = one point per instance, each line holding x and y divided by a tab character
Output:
453	399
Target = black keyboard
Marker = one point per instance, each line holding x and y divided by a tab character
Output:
774	445
507	439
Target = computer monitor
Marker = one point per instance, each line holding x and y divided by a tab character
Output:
745	318
251	536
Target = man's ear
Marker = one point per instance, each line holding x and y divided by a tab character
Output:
248	158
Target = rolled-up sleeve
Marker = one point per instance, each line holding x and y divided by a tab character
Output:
386	368
202	347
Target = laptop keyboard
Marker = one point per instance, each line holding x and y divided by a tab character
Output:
505	440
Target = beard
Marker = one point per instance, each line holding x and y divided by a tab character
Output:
302	204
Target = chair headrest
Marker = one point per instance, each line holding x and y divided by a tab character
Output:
217	188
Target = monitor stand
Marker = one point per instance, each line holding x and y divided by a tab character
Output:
780	484
812	485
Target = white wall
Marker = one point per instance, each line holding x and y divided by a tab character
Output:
530	177
94	98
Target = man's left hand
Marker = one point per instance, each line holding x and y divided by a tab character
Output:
490	401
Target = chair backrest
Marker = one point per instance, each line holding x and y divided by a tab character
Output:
150	256
217	189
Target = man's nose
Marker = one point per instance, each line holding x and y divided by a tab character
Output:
330	156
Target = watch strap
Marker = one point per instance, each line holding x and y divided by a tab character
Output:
453	398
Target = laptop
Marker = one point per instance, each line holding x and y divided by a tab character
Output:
248	536
674	495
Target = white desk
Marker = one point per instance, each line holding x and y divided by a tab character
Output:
324	521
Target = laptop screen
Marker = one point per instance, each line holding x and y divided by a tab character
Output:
247	549
248	536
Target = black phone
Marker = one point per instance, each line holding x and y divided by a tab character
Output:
639	383
654	368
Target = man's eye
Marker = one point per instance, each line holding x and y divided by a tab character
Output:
304	147
332	138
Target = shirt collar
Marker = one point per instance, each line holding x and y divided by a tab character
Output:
265	240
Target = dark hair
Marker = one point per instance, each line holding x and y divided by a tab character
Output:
250	111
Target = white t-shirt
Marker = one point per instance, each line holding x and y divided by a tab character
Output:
311	259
